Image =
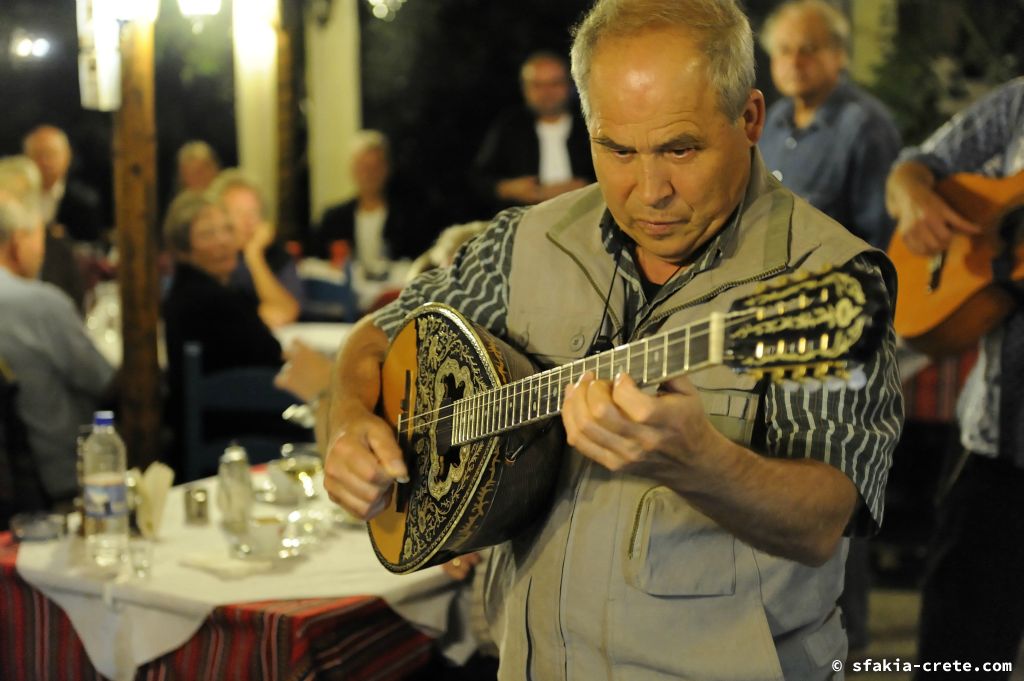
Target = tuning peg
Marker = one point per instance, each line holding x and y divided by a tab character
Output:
789	386
801	275
857	379
811	385
778	374
821	370
798	373
834	383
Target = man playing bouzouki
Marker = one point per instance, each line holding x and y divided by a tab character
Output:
973	596
713	513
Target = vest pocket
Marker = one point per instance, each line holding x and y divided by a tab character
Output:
675	550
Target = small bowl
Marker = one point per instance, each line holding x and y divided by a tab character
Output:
38	526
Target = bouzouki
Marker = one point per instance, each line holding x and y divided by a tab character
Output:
948	301
474	418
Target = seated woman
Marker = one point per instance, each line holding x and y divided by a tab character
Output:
263	266
201	307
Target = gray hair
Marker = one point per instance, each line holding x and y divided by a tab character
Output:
364	140
15	216
20	177
835	21
722	29
197	150
235	178
183	211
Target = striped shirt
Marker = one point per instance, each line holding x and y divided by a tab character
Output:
853	430
986	138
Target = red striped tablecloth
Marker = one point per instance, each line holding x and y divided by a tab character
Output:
354	638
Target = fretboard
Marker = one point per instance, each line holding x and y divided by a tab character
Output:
647	361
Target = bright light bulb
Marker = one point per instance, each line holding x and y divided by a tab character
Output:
23	48
40	47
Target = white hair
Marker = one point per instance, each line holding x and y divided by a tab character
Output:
722	31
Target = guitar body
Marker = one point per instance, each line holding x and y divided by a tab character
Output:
944	308
458	498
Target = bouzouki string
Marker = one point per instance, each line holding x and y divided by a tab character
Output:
490	398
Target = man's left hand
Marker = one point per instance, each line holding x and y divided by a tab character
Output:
624	429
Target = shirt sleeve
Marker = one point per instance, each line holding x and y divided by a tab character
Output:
854	430
476	284
976	137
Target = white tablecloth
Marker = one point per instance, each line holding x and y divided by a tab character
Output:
127	622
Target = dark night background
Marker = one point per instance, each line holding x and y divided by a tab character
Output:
434	77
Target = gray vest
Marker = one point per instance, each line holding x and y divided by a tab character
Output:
625	579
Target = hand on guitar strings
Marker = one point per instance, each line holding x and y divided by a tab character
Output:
925	221
624	429
362	464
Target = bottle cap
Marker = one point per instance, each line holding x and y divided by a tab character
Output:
103	418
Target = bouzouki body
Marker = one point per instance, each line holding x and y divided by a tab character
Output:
479	428
947	302
459	497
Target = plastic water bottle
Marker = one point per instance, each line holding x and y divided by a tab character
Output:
104	494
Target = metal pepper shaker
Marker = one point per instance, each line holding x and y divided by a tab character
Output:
234	489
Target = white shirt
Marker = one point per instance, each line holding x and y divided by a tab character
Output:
555	166
50	200
371	251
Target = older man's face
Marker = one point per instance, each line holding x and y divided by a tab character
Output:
50	151
672	167
546	87
805	62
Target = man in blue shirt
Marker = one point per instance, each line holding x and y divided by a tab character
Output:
831	143
828	140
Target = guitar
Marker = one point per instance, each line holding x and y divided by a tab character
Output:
949	301
474	419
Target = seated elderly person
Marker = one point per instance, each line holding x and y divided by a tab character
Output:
58	375
202	307
264	267
376	224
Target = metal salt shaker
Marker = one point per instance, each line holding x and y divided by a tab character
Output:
197	509
234	489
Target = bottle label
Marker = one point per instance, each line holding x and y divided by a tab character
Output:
105	500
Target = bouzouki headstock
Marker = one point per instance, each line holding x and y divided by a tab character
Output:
807	325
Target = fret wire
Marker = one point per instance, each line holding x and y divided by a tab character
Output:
647	344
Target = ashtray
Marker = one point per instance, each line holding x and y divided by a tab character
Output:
38	526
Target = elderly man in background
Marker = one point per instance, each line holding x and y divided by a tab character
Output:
538	151
198	166
60	375
828	140
65	201
713	512
831	143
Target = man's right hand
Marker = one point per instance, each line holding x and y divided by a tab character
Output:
363	461
925	221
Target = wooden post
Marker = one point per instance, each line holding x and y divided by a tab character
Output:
287	158
135	199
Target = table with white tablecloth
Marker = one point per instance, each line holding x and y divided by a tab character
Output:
125	623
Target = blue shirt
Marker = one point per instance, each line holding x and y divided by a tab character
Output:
840	161
60	374
986	138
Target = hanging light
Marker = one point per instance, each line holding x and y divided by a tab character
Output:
25	45
199	8
386	10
